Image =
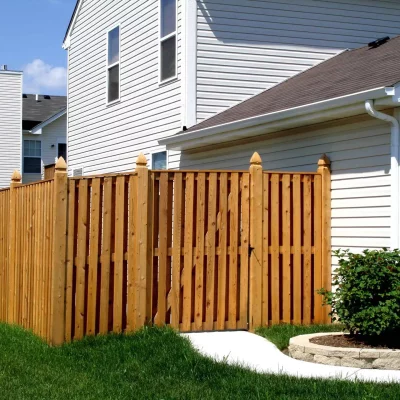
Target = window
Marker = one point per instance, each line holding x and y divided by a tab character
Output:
159	160
113	65
62	151
32	156
167	39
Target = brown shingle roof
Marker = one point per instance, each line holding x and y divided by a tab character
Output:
350	72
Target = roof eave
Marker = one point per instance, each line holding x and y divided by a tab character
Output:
37	130
308	114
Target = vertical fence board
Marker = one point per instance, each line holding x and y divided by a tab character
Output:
244	251
176	251
188	253
69	295
106	256
307	250
266	215
200	227
211	254
81	259
162	249
222	244
95	231
132	243
317	210
275	253
233	251
119	253
297	236
286	233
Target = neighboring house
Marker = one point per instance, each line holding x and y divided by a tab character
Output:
132	89
139	71
44	125
10	124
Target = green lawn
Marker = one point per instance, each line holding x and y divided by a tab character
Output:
151	364
281	334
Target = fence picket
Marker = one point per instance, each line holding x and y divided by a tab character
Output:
286	242
80	314
307	289
188	254
275	253
211	254
233	251
222	244
200	227
95	230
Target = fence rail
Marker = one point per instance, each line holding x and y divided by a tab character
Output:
197	250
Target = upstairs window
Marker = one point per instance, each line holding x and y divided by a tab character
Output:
167	40
113	65
32	156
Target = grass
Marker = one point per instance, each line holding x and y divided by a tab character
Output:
151	364
281	334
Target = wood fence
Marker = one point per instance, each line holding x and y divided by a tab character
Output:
197	250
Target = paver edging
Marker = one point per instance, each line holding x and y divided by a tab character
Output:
301	348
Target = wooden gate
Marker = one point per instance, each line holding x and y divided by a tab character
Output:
201	249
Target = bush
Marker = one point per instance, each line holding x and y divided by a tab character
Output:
367	295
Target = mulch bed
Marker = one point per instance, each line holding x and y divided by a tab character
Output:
357	341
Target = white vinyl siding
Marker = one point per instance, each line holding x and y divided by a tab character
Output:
245	46
360	156
10	125
52	134
105	139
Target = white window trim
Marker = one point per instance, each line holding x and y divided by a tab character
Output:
162	39
108	67
24	156
156	152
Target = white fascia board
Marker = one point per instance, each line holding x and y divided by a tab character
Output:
67	40
274	121
11	72
37	130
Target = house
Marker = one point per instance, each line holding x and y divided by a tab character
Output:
204	84
10	124
44	127
141	71
32	129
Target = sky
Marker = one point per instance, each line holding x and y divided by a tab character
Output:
31	35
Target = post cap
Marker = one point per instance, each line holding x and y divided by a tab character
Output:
255	159
141	161
16	176
324	161
61	164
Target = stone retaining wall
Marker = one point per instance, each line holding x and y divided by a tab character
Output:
300	348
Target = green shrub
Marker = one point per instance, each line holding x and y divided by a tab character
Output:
366	296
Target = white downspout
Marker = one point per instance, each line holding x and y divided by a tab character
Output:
394	170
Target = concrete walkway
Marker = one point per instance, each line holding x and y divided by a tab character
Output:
254	352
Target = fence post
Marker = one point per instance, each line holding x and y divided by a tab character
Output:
325	171
256	241
12	295
143	298
60	206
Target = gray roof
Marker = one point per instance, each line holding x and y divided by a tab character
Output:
349	72
34	112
